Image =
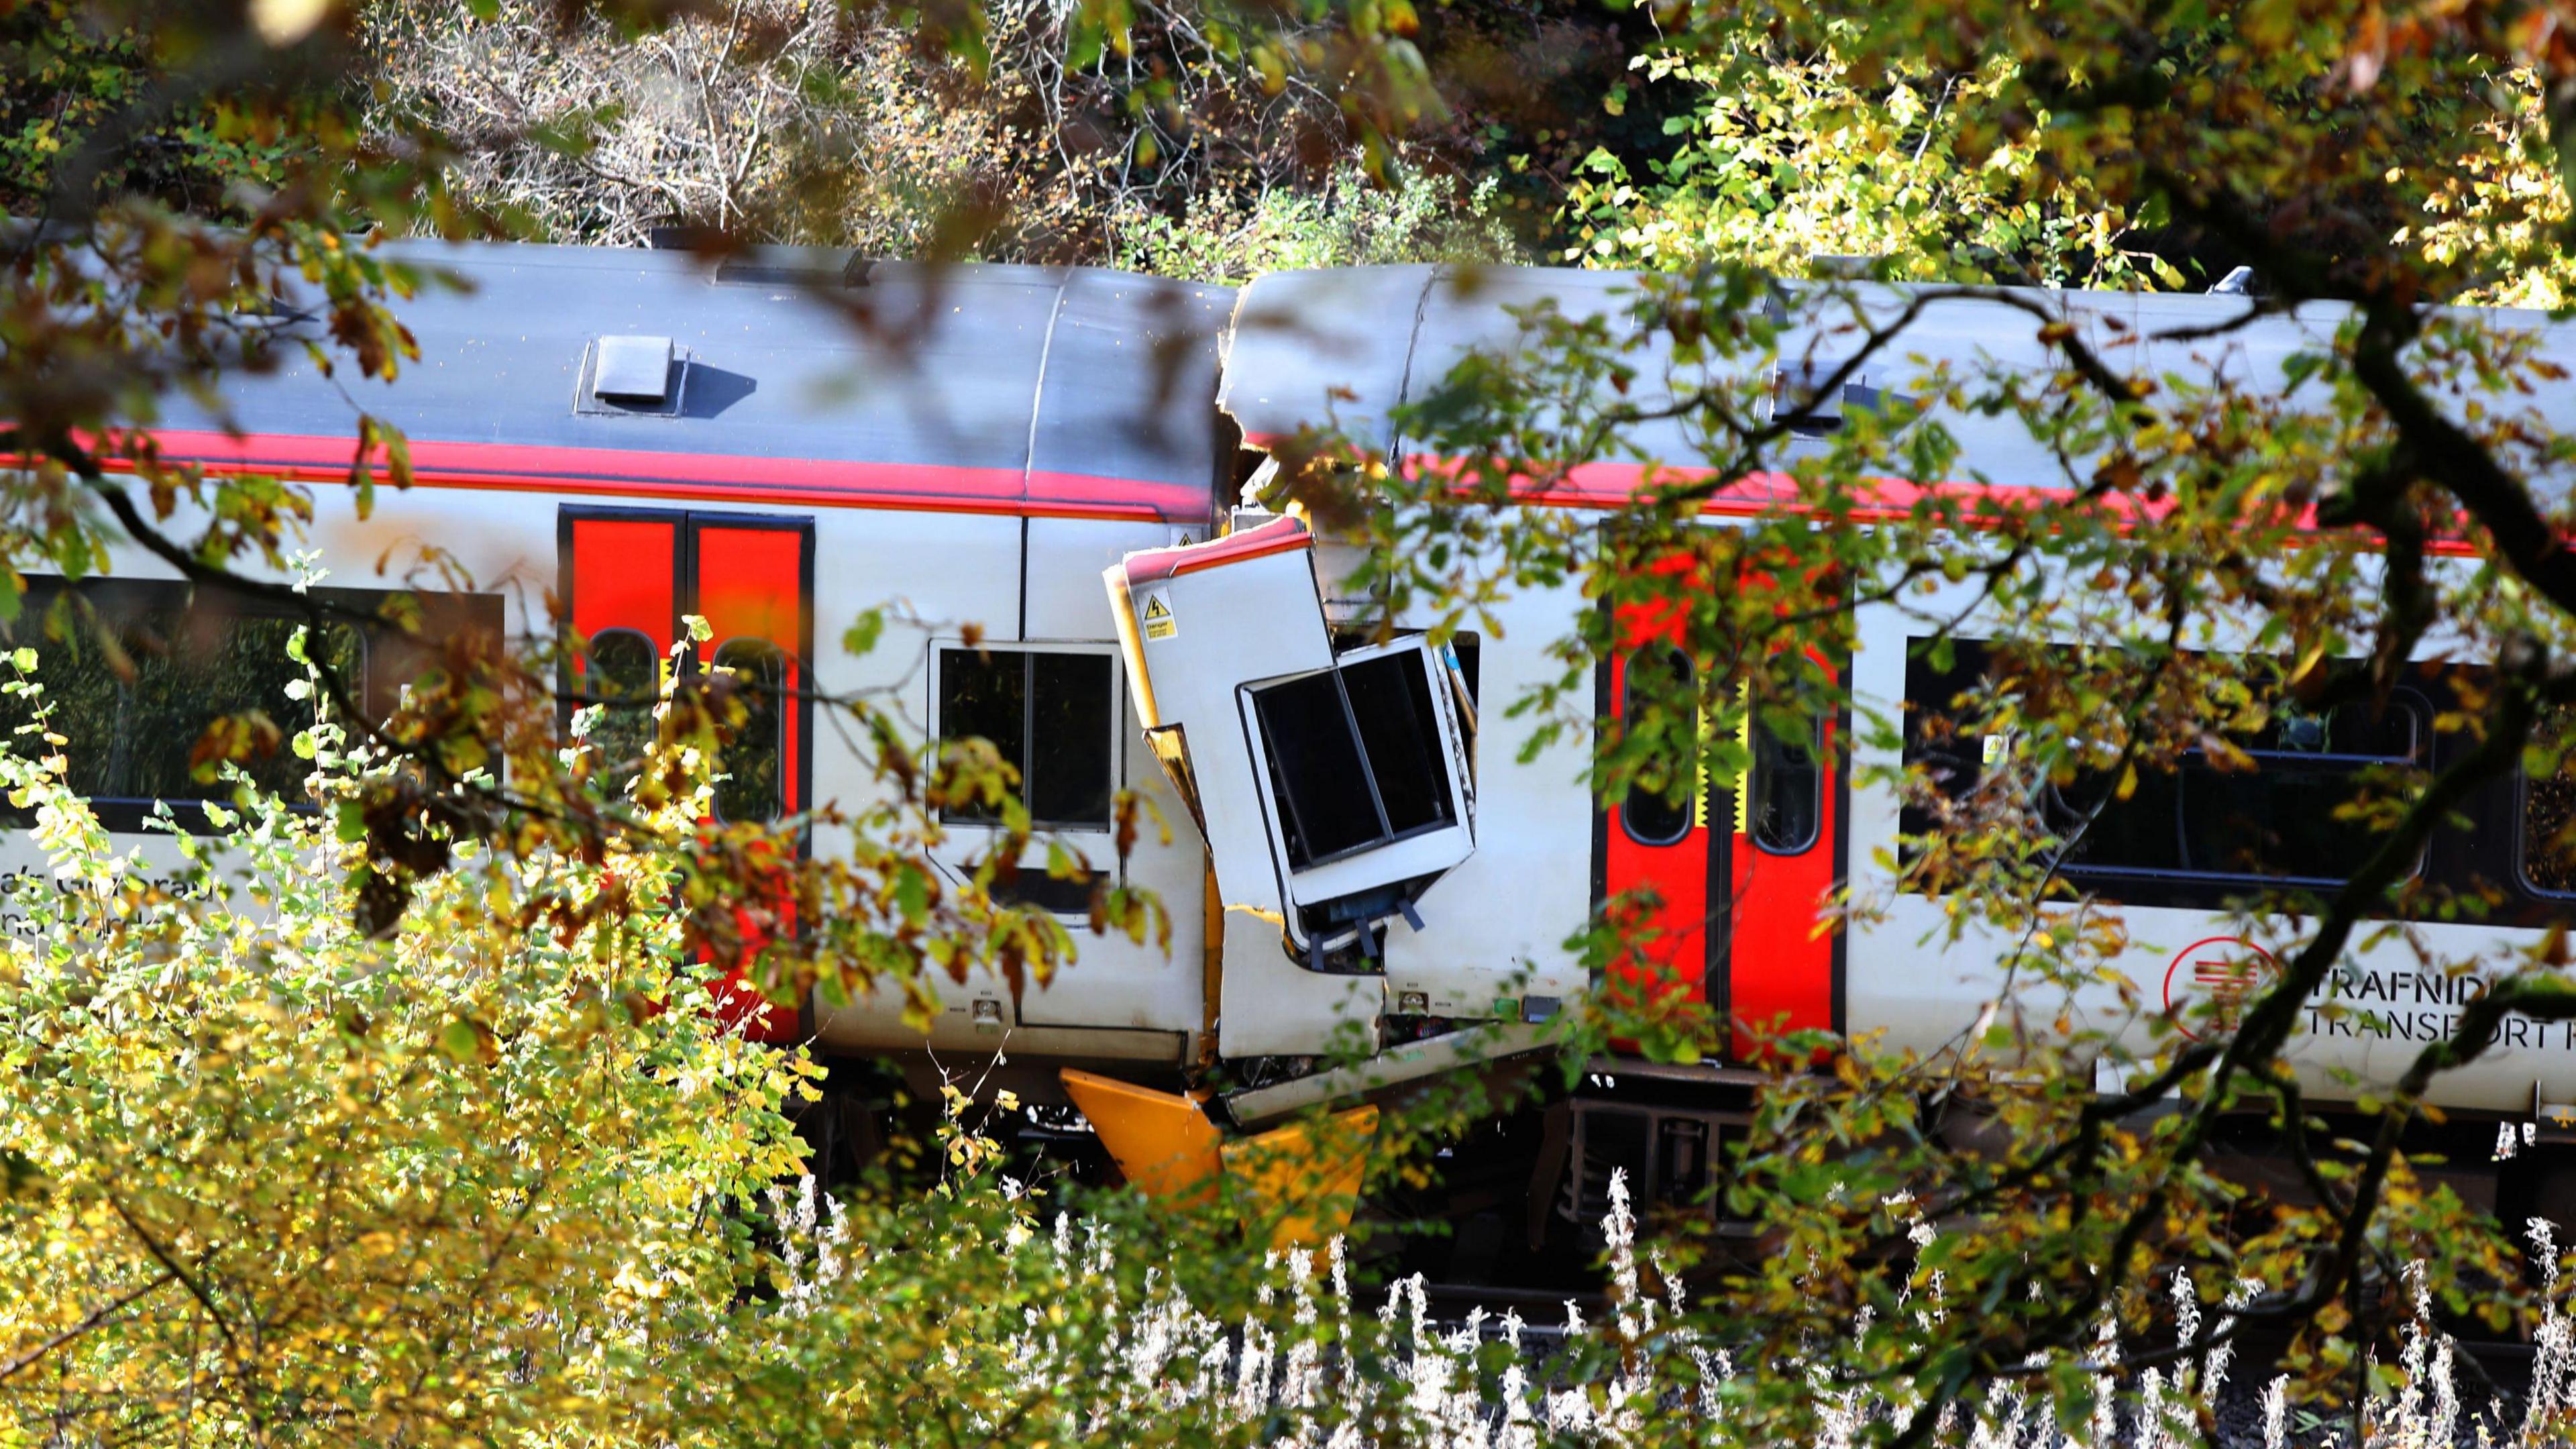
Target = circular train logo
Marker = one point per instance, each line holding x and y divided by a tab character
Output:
2225	971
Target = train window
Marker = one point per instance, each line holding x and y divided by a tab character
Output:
1785	803
1650	813
1390	700
2549	813
136	670
1052	715
1316	769
2275	822
622	678
1070	709
1351	754
983	695
754	787
134	682
140	669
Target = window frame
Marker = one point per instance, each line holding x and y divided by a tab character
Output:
2187	882
2522	835
776	660
2419	711
1757	787
1388	832
1115	734
1424	850
377	690
656	669
1688	809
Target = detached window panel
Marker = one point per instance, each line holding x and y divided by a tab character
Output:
1316	769
1390	698
1356	756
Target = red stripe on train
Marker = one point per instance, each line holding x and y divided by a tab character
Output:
703	477
1280	535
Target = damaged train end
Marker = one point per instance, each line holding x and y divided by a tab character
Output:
1333	779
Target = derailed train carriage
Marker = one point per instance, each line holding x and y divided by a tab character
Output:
1366	855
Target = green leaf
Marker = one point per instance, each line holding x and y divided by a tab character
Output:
912	893
1083	43
461	1040
864	632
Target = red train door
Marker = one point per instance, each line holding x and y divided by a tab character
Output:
1661	860
629	577
1726	886
1782	973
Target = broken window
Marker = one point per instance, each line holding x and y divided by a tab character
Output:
1353	756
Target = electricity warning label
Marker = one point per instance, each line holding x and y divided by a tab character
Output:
1159	623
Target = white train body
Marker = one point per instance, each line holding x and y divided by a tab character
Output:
1007	435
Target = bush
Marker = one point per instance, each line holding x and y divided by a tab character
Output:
270	1178
1347	222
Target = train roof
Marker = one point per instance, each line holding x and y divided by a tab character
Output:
1345	347
802	377
792	375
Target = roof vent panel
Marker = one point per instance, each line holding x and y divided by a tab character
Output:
631	376
633	369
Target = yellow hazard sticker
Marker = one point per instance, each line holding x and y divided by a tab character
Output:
1159	620
1744	739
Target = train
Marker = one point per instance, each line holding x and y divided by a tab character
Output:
1049	470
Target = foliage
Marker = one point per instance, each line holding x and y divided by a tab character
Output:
275	1177
792	122
62	79
499	1178
2176	557
588	132
2503	215
1419	217
2182	551
1784	157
